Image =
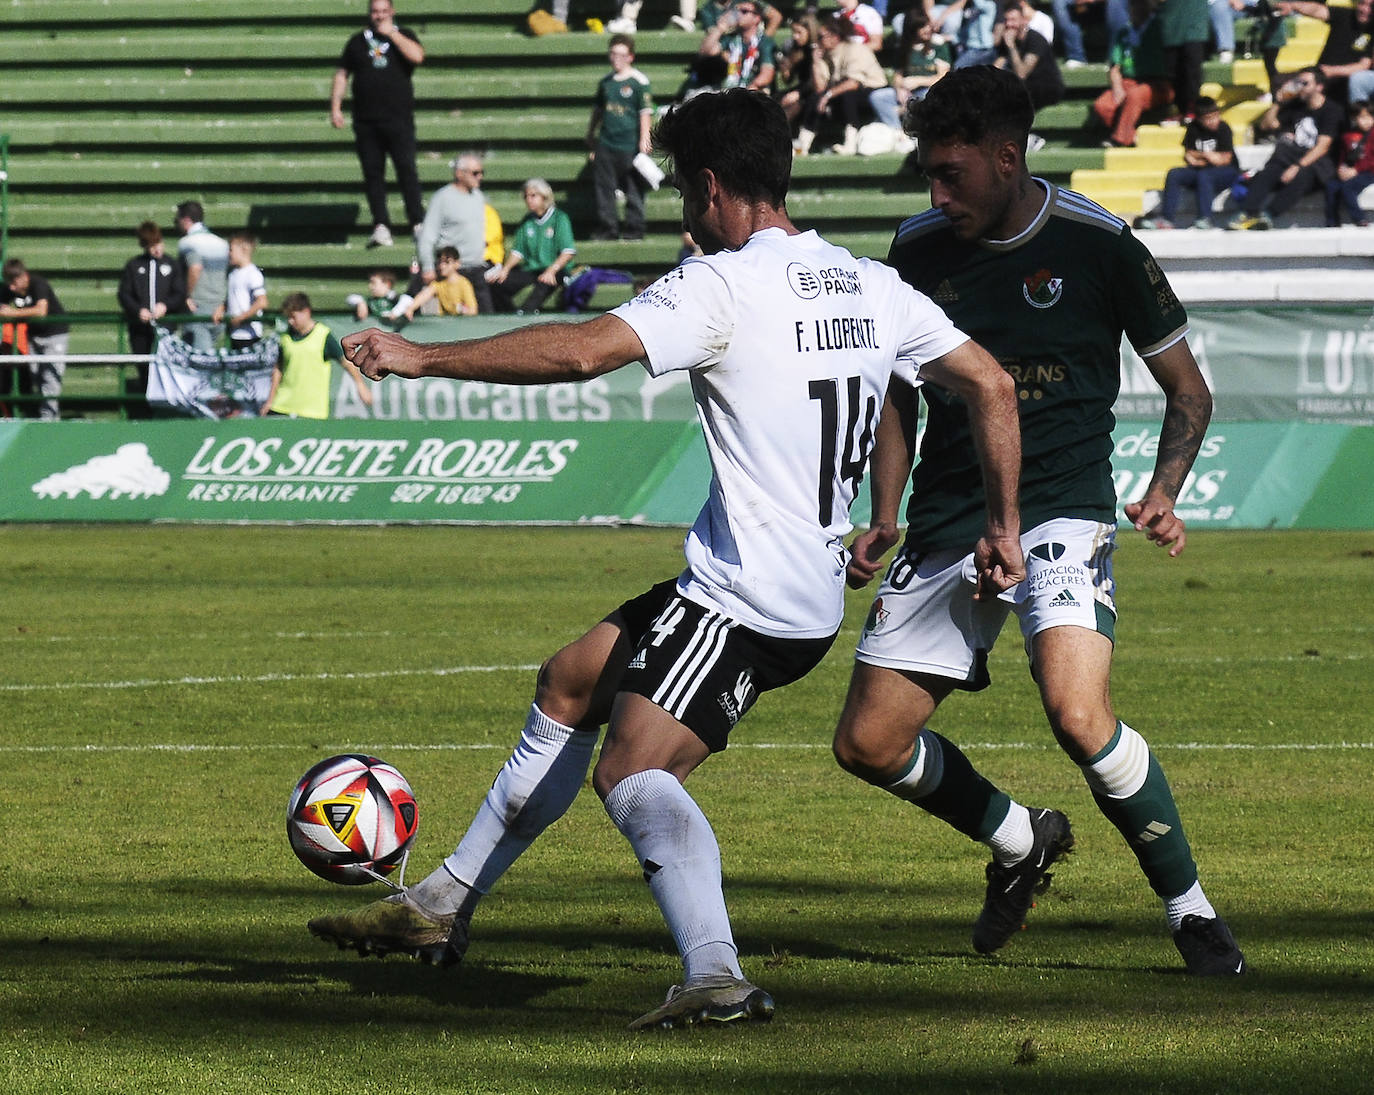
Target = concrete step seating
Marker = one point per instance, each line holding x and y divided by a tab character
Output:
117	110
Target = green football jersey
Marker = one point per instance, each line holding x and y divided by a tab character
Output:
1051	306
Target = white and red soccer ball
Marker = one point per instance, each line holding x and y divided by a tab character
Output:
351	818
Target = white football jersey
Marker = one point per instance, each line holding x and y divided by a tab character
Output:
789	342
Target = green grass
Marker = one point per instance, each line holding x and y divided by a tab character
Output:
163	687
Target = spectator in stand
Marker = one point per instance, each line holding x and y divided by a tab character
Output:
205	258
1347	56
749	53
1209	167
921	60
617	132
245	297
151	287
382	301
970	26
846	76
494	253
1306	123
796	84
1270	33
453	292
539	252
1067	15
1040	21
1023	52
1354	169
865	22
1183	31
380	60
300	380
26	295
1135	77
713	11
458	218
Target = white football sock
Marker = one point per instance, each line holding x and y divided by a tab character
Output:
675	845
1193	902
1013	840
534	789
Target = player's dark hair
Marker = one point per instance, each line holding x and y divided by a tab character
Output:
1204	104
192	209
972	105
446	252
742	136
12	269
295	302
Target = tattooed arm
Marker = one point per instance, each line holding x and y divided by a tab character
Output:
1187	410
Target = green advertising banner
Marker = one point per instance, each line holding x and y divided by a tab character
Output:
1289	446
1248	475
279	469
1306	363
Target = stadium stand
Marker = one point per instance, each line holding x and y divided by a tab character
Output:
118	110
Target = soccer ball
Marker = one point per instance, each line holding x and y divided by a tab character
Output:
351	819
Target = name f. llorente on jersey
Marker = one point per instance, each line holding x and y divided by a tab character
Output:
839	333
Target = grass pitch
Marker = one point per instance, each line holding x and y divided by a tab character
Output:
162	688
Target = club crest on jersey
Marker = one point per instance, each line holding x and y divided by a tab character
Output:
877	616
1042	289
803	281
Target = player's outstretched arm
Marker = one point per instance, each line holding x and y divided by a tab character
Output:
542	354
894	446
1187	410
990	393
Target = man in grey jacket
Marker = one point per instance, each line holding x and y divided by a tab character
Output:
457	218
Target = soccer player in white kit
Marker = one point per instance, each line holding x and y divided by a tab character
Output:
789	343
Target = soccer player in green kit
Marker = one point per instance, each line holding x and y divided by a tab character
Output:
1048	282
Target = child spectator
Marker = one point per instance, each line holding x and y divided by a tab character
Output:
1354	169
246	298
382	300
1209	167
25	295
151	286
617	132
539	253
300	381
450	288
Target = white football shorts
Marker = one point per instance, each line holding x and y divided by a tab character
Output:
924	618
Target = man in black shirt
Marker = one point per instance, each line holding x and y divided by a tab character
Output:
1306	123
380	59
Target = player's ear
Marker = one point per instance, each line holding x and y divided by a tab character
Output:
1009	158
708	186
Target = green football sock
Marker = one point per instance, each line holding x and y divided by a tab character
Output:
1133	794
941	781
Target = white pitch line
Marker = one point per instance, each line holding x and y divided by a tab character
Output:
452	747
267	678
